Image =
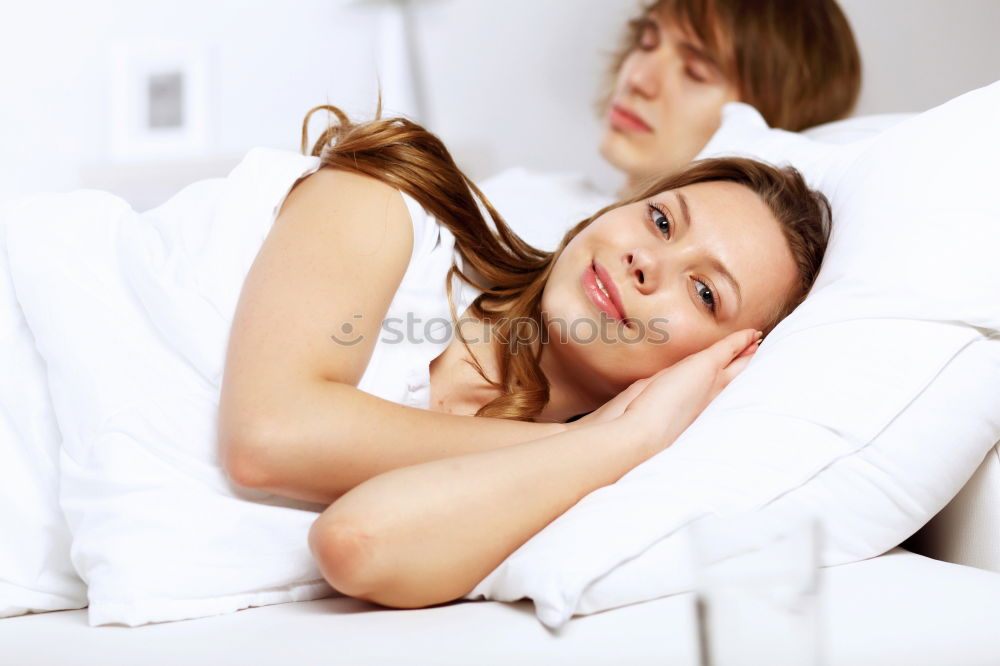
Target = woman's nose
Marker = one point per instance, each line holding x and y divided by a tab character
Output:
643	269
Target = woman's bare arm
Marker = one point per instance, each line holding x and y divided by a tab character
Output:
336	436
427	534
290	418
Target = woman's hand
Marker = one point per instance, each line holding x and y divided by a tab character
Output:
613	408
706	362
664	405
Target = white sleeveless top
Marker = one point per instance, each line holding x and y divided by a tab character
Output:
417	326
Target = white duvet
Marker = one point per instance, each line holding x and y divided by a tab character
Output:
870	406
131	314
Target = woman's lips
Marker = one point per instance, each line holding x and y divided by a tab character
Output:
611	304
623	119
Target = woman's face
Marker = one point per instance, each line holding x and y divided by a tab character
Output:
666	103
682	270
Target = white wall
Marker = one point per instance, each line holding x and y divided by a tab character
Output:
508	83
514	83
268	63
921	53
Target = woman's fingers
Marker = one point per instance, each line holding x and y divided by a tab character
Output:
616	405
735	368
735	345
750	349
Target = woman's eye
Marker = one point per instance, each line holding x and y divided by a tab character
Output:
660	220
705	294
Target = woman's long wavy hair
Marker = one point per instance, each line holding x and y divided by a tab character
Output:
404	155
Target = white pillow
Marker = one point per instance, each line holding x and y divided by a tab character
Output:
852	129
35	570
870	406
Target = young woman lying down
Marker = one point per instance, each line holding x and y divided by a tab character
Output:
644	312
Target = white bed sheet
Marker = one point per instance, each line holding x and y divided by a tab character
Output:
900	608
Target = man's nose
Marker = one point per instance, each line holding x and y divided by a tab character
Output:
646	71
649	72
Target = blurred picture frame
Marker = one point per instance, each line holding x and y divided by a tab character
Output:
159	100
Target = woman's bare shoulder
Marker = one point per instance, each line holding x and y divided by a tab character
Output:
312	304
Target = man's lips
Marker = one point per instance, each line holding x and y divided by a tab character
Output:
624	119
610	303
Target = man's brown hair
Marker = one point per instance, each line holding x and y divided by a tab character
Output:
795	61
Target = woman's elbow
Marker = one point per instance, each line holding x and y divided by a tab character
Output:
242	459
351	561
344	555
